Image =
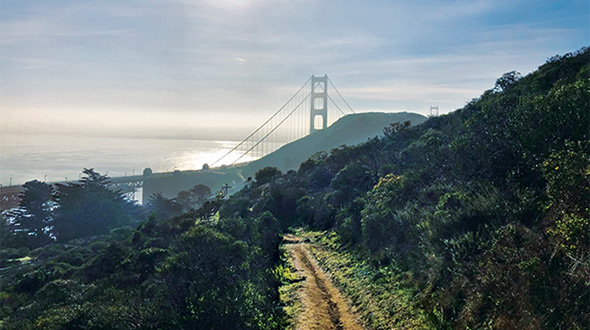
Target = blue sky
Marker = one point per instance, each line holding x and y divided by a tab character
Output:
127	67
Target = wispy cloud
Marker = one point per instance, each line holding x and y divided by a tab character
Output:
461	8
179	58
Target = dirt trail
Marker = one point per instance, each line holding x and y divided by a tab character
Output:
323	305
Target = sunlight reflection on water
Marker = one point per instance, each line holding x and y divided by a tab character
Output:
26	157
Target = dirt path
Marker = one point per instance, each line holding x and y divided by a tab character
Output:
323	305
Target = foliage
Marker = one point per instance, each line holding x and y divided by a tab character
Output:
507	79
568	218
267	174
162	207
208	275
384	297
32	220
485	209
476	219
90	208
193	198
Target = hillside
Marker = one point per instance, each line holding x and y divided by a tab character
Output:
477	219
348	130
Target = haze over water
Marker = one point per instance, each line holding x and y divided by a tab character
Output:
28	157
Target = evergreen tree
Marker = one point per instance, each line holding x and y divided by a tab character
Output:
163	208
91	208
32	219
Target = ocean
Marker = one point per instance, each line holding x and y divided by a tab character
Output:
54	158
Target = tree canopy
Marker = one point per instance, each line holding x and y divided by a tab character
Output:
90	208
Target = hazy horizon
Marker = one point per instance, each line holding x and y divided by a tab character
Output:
176	71
111	66
160	132
61	156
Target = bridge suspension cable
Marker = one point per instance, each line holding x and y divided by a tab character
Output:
291	121
264	124
274	129
340	95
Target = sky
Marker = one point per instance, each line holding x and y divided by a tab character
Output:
221	67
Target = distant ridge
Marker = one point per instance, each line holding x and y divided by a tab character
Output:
348	130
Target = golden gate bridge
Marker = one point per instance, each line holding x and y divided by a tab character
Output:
306	112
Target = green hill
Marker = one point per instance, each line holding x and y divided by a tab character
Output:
348	130
477	219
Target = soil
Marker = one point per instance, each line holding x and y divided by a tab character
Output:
323	307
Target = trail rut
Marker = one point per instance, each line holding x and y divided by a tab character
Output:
323	306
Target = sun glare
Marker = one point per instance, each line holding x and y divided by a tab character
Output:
231	4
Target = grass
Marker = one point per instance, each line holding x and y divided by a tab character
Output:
383	297
288	291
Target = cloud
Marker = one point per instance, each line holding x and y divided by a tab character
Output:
230	4
178	58
408	92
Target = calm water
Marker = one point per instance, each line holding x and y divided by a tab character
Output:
25	158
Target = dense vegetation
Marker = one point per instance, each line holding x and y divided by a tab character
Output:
483	213
70	211
187	272
476	219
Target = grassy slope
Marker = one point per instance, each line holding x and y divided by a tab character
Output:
479	218
379	296
349	130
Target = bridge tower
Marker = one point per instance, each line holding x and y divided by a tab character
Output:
319	103
433	111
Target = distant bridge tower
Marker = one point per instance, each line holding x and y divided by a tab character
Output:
319	103
434	111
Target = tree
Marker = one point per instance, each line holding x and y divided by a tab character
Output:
35	213
395	128
9	236
208	279
91	208
507	80
162	207
267	174
568	188
194	198
351	182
